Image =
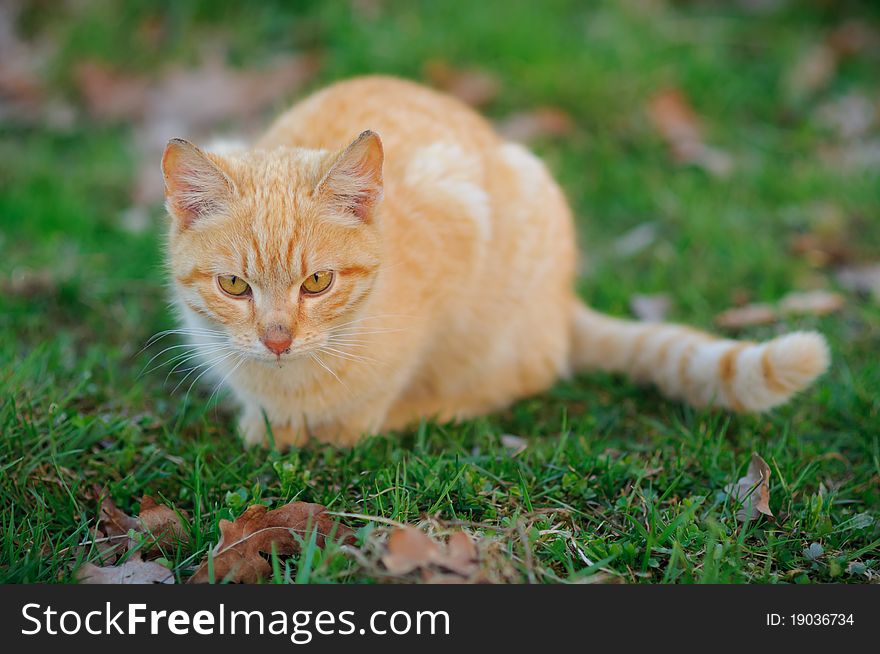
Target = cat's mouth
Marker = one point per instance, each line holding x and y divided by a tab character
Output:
302	351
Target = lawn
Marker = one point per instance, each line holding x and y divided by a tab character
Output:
614	483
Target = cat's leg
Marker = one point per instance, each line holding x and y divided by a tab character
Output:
252	426
350	428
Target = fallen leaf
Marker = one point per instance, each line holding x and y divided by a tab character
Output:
861	279
22	91
853	37
409	549
110	95
678	124
513	444
163	525
114	528
814	303
461	554
820	251
529	126
674	118
850	117
113	521
29	283
747	316
111	534
241	554
472	86
752	491
133	571
192	98
189	102
650	308
812	71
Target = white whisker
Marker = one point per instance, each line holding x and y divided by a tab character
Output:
241	359
189	356
358	332
210	364
315	357
376	317
209	333
175	347
346	355
204	372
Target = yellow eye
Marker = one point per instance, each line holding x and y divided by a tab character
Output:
233	285
318	282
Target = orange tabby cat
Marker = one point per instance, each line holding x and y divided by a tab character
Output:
341	291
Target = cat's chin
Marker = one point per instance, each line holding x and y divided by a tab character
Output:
276	361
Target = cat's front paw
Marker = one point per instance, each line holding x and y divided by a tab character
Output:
254	433
253	430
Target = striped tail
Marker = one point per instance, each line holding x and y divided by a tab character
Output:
697	367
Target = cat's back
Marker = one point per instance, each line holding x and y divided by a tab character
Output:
405	114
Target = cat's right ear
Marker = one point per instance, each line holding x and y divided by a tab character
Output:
195	187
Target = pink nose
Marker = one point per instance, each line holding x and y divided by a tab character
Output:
277	339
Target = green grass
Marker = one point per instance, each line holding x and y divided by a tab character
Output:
614	479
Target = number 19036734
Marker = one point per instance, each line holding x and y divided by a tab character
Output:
810	620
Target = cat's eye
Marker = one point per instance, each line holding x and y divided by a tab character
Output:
233	285
318	282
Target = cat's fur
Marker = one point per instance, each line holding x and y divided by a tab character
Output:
454	259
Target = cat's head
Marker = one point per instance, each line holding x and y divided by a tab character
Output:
277	249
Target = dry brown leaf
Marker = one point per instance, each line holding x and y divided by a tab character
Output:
814	303
856	155
752	491
111	533
189	102
650	308
29	283
193	97
461	554
821	251
851	116
133	571
674	118
113	521
21	88
812	72
162	523
240	554
747	316
110	95
861	279
410	549
529	126
678	124
853	37
472	86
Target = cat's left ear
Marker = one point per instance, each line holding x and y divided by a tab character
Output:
195	186
354	182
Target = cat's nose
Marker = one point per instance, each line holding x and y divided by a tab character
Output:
277	339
